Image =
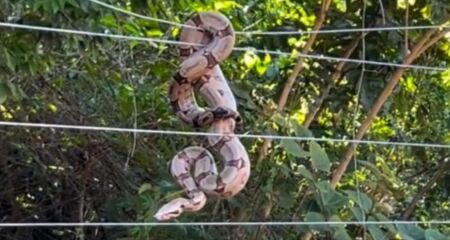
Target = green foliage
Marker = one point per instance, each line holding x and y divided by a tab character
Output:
52	175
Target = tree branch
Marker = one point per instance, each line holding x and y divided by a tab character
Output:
426	42
336	75
298	68
438	174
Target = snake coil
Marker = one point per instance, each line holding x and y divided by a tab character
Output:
212	40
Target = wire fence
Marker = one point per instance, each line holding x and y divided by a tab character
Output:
185	133
276	33
224	224
242	49
207	134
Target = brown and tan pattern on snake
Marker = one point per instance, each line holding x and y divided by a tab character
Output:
200	70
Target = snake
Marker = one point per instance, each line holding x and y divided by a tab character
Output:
207	40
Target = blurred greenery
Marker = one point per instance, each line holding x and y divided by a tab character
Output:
50	175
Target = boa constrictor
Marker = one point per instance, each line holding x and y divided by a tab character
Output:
212	39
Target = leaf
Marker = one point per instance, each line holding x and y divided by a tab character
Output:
433	234
250	59
330	198
4	92
341	234
374	169
408	231
316	217
357	213
144	187
305	172
339	229
360	198
341	5
280	120
319	157
382	217
302	131
376	232
287	201
154	33
9	60
292	147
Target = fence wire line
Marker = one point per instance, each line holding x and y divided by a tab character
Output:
208	134
142	16
277	33
242	49
172	224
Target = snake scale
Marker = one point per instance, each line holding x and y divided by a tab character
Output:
209	42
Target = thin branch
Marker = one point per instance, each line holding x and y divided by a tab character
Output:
336	75
437	175
298	68
406	25
426	42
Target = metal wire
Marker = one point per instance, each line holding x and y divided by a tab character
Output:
173	224
142	16
276	33
319	57
186	133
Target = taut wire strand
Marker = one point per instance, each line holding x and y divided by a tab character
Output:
142	16
277	33
145	39
186	133
171	224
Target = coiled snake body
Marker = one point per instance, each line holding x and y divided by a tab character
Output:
200	70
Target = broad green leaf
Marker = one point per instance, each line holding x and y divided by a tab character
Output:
286	200
357	213
360	198
281	120
335	218
4	92
319	157
302	131
341	233
330	198
433	234
409	231
339	230
305	172
316	217
9	60
382	217
376	232
293	148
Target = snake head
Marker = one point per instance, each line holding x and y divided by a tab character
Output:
167	212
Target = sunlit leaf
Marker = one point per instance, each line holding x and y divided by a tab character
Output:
144	187
319	157
293	148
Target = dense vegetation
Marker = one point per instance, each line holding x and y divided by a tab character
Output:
51	175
